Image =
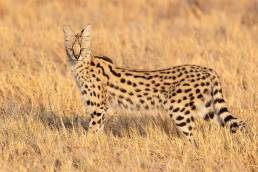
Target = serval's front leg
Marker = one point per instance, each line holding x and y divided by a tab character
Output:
97	119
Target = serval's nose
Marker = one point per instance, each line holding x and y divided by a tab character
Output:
76	50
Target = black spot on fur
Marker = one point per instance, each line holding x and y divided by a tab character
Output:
235	126
192	118
123	90
200	96
131	94
188	90
222	110
138	90
208	116
181	124
92	63
141	101
99	121
113	71
208	104
228	118
176	109
103	71
122	80
179	91
196	85
128	74
193	107
129	82
129	100
205	91
187	112
186	84
179	118
219	101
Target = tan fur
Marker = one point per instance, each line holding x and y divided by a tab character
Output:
184	92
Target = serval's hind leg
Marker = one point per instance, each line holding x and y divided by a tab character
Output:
183	119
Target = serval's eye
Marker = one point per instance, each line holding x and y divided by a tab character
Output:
82	49
70	50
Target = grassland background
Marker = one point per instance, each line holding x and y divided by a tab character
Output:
42	118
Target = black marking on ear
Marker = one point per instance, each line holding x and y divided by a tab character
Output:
82	30
105	58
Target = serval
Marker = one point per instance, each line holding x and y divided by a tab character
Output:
183	92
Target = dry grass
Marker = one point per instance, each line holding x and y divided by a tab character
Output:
41	114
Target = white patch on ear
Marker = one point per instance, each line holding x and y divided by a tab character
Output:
68	33
85	33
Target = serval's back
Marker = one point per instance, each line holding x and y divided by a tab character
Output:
184	92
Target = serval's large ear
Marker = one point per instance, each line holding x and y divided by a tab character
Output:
85	34
68	33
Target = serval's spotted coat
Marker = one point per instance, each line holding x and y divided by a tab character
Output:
184	92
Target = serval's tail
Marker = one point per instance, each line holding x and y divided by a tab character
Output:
223	115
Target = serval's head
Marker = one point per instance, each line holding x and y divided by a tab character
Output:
77	45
